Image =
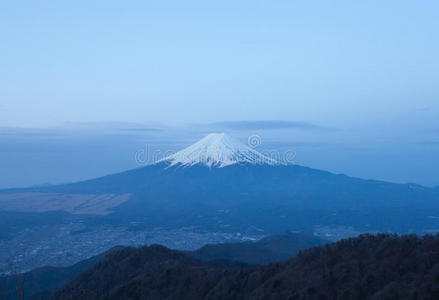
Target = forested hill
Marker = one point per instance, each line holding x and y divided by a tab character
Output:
39	283
267	250
366	267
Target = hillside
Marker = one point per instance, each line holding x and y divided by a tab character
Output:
366	267
167	273
41	282
236	197
267	250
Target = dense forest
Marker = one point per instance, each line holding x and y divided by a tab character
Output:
366	267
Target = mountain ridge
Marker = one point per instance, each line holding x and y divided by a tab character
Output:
264	251
379	266
40	282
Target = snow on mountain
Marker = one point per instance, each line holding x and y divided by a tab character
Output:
217	150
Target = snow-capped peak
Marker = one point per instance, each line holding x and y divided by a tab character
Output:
217	150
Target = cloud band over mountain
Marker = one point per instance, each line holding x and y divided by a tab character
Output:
269	125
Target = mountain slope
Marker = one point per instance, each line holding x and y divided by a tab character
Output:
267	250
272	198
42	282
242	195
155	264
367	267
217	150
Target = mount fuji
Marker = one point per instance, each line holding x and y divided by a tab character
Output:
219	183
218	150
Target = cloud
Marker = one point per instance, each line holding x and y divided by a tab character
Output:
125	126
269	125
141	129
304	144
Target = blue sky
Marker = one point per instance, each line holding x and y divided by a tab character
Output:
368	70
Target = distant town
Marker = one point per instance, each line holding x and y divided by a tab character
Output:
66	244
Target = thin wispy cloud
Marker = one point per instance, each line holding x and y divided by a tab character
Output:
113	125
269	125
303	144
141	129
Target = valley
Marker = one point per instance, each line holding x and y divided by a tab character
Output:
66	244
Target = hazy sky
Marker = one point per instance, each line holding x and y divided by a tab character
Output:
352	85
327	62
